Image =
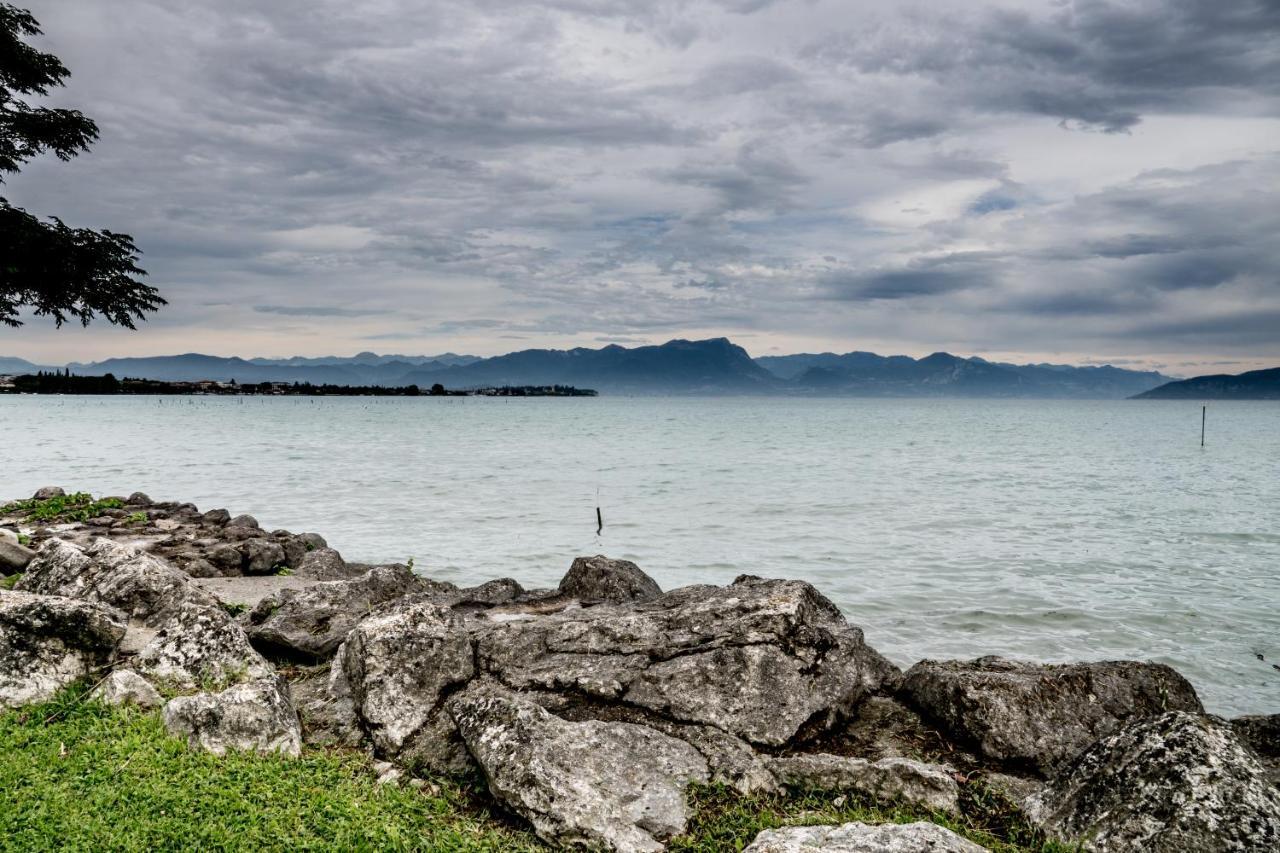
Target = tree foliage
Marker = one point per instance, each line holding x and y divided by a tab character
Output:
50	267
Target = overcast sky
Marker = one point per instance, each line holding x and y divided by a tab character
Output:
1032	179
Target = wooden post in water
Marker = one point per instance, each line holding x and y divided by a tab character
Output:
599	521
1203	409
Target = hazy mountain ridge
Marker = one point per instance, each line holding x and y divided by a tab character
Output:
715	366
1251	385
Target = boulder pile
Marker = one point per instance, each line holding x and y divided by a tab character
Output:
591	708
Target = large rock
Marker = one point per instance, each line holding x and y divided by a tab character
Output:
254	716
1039	716
201	648
920	837
14	557
313	621
261	557
126	687
612	785
44	493
931	786
597	579
398	668
137	584
759	659
47	642
1176	782
325	564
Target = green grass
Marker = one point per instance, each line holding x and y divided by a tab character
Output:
75	507
76	775
11	581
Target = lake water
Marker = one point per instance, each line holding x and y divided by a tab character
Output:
1041	530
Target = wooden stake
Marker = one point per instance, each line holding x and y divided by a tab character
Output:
599	521
1203	409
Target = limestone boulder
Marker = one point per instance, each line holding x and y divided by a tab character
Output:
929	786
1175	782
126	687
201	647
1039	716
398	668
758	659
594	784
919	837
312	622
142	587
14	557
598	579
47	642
254	716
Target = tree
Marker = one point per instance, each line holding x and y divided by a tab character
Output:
56	270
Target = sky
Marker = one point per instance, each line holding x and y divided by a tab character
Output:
1065	180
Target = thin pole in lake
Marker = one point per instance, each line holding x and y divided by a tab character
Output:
1203	411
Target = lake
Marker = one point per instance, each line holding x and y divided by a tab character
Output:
1046	530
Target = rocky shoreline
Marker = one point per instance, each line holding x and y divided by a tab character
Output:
591	708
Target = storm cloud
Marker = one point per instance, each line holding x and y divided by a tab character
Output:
1074	180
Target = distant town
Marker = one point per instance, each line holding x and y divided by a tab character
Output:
64	382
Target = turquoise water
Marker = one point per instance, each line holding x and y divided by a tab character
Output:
1042	530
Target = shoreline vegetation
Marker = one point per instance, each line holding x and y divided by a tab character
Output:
70	384
172	678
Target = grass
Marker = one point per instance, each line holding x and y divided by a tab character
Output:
11	581
75	507
76	775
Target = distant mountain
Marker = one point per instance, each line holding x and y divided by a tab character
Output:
192	367
1254	385
714	366
946	375
10	365
367	359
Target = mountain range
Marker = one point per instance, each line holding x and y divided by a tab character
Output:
715	366
1253	385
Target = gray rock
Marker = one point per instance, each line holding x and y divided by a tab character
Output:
313	541
7	535
1176	782
140	586
243	521
599	579
611	785
919	837
929	785
254	716
46	492
14	557
201	647
126	687
226	557
313	621
198	567
1039	716
47	642
399	667
491	593
325	564
295	549
216	518
758	659
139	499
1262	733
260	556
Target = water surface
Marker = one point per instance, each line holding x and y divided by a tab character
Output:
1041	530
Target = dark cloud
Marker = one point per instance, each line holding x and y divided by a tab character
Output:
818	172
